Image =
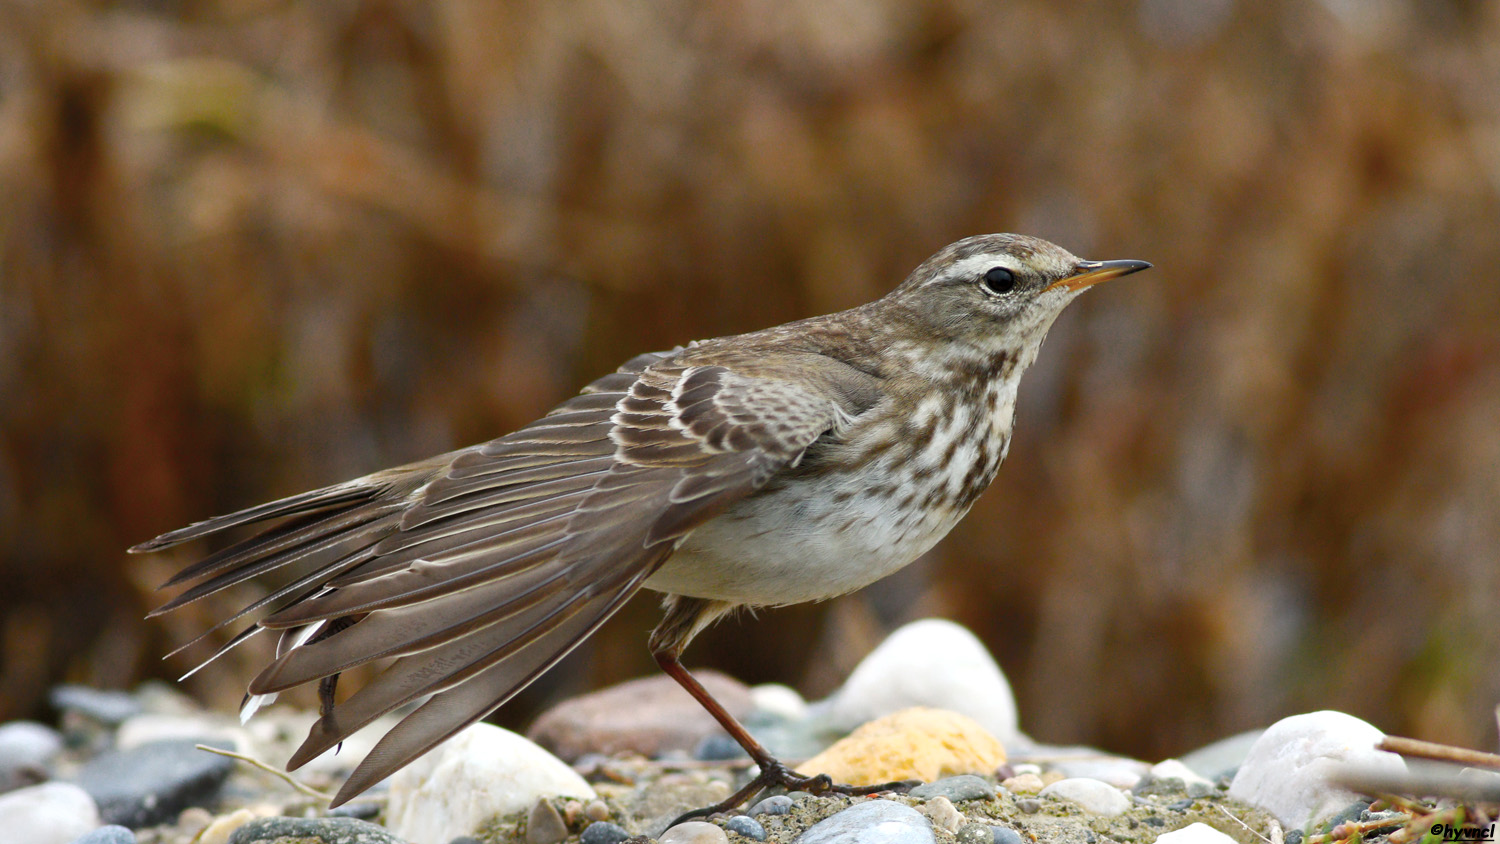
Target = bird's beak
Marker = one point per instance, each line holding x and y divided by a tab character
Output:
1090	273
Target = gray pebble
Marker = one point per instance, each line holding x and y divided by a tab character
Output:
603	832
965	787
746	826
874	822
544	825
1029	805
1294	836
1005	835
466	839
778	804
152	783
718	747
322	830
363	811
106	707
111	834
975	833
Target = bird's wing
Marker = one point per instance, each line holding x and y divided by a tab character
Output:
478	570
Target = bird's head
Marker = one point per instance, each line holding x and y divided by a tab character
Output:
999	291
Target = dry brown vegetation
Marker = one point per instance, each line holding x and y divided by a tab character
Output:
249	247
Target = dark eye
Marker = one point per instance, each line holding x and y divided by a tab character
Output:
998	280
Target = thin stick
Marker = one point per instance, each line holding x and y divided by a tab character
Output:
305	789
1242	823
1441	752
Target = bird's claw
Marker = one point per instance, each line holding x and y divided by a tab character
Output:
774	773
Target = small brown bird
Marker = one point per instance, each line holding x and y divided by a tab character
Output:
786	465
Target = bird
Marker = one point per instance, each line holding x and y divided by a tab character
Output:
791	464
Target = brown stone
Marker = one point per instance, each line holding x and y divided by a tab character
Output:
650	716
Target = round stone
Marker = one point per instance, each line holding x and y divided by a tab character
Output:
1005	835
603	832
778	804
694	832
746	826
1092	796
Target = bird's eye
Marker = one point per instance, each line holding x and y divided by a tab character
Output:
998	281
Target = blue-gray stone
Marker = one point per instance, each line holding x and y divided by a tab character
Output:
874	822
718	747
778	804
1222	757
363	811
1005	835
746	826
111	834
965	787
152	783
603	832
324	830
106	707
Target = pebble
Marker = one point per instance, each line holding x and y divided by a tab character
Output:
310	830
112	834
694	832
1288	771
603	832
872	822
975	833
1222	757
544	825
1118	771
958	789
778	804
1005	835
26	748
50	813
481	772
746	826
152	783
1093	796
917	743
650	716
596	810
1027	783
779	701
718	748
105	707
1173	774
219	830
150	727
934	663
1029	805
943	814
1196	833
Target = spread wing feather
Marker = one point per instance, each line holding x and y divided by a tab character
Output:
477	570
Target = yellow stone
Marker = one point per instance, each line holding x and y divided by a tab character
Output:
918	743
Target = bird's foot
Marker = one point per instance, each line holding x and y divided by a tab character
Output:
774	773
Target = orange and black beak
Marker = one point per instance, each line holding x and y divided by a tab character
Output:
1090	273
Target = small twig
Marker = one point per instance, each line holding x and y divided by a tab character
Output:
305	789
1441	752
1232	817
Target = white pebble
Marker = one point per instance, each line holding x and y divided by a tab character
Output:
1197	833
1093	796
927	663
50	813
779	700
1291	769
694	832
942	812
1172	769
481	772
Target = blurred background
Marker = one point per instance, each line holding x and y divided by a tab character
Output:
251	247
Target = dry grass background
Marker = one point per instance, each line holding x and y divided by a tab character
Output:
250	247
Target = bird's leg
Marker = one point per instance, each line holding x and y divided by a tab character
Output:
685	617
